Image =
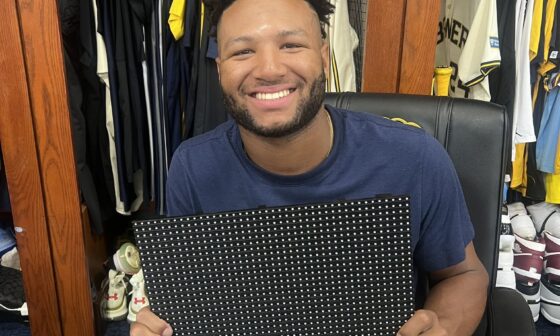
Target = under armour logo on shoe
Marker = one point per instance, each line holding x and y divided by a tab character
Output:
142	301
112	297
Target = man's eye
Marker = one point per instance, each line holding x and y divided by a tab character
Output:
242	52
291	46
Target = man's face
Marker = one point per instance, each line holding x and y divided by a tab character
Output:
272	65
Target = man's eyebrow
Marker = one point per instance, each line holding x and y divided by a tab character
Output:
283	33
238	40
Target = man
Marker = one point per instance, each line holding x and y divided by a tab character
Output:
286	147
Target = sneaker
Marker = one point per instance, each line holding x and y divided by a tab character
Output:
139	298
523	226
506	234
532	294
546	217
528	256
113	304
11	259
127	259
552	257
550	300
505	279
505	276
516	208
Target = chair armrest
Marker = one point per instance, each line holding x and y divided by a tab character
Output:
512	315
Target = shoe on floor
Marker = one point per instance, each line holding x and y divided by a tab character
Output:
11	259
506	234
523	226
528	257
127	259
516	208
505	278
550	300
552	257
531	294
113	304
139	298
546	217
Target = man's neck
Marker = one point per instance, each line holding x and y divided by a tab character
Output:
295	154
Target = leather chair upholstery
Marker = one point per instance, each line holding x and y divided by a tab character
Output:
476	137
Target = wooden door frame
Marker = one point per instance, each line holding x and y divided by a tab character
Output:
17	140
40	168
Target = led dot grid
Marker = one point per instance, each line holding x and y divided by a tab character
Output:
342	268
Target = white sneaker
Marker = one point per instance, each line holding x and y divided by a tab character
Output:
139	298
505	278
11	259
523	226
532	294
550	300
127	259
113	305
546	217
516	208
506	234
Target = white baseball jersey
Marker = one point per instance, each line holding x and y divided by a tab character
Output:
343	41
522	126
468	42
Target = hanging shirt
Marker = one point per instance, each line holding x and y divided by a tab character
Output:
176	19
343	40
547	140
523	130
468	42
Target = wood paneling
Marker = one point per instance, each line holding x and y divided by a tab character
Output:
419	42
383	45
24	180
47	86
400	46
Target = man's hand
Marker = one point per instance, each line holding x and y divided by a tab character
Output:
423	322
455	302
148	324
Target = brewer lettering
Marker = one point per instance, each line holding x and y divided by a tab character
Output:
452	30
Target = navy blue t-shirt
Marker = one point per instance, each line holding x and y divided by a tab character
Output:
370	156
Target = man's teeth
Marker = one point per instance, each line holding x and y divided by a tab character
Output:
274	95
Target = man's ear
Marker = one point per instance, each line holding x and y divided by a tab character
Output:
218	62
325	56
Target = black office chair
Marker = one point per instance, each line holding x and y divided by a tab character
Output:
476	137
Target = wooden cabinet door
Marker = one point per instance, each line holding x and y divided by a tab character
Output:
400	46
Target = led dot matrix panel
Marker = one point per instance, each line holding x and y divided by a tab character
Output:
342	268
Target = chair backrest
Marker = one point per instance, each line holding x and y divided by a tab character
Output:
475	135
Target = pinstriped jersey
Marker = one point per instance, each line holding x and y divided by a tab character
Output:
343	40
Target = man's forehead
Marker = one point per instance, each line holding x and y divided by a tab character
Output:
244	15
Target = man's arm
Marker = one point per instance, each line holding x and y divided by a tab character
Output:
456	300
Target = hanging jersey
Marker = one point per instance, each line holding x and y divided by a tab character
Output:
522	126
468	42
343	40
536	29
552	183
547	140
176	19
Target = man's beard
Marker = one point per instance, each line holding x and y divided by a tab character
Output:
307	108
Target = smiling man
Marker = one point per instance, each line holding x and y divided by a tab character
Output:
284	146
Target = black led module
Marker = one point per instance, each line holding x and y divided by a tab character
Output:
342	268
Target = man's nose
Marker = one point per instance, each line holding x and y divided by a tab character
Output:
270	65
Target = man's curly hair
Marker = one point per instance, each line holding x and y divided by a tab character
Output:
323	8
